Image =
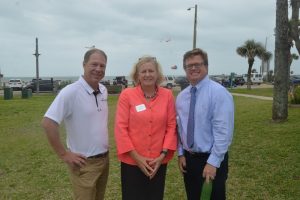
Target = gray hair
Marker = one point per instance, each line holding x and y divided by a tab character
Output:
88	54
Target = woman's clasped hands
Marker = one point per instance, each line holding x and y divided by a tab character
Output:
149	166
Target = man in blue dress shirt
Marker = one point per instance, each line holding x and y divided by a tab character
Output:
205	128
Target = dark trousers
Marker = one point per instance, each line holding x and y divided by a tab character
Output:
193	179
137	186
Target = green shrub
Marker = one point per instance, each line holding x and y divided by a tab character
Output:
114	89
63	84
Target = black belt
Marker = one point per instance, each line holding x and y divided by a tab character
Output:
196	153
100	155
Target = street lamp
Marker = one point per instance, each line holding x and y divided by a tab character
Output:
37	54
265	65
195	26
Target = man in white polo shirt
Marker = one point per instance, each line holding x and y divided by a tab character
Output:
83	108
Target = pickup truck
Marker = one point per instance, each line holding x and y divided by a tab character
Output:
120	80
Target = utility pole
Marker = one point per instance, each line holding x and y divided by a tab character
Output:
195	28
36	54
265	65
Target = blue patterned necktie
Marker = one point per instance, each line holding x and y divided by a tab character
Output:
191	120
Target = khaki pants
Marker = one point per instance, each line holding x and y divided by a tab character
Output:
89	182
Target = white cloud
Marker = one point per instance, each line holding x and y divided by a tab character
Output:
127	30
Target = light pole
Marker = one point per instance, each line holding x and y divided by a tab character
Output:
195	26
37	54
265	65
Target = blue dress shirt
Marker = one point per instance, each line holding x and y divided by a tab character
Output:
214	120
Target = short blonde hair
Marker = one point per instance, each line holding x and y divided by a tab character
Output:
140	62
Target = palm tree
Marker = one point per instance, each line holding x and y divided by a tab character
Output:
250	49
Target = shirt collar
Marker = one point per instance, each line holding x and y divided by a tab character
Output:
87	87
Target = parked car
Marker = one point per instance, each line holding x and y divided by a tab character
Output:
105	82
44	85
180	80
239	81
15	84
225	82
120	80
217	79
295	79
169	82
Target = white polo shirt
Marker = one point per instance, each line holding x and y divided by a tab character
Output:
85	122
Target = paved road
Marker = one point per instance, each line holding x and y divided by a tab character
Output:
253	96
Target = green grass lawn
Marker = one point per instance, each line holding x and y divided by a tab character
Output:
264	157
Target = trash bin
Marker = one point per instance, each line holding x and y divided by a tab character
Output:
8	93
26	93
29	92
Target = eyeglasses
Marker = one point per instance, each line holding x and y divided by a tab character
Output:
147	58
196	65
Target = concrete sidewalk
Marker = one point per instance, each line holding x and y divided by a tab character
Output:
253	96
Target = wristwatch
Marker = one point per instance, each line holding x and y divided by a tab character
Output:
165	152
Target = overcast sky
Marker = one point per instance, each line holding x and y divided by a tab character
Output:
127	30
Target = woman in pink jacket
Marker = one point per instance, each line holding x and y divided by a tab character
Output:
145	132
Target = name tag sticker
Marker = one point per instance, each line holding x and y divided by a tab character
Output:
140	107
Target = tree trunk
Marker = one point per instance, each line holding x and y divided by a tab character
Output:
250	64
280	95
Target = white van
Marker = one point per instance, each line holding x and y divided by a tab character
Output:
169	82
15	84
256	78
